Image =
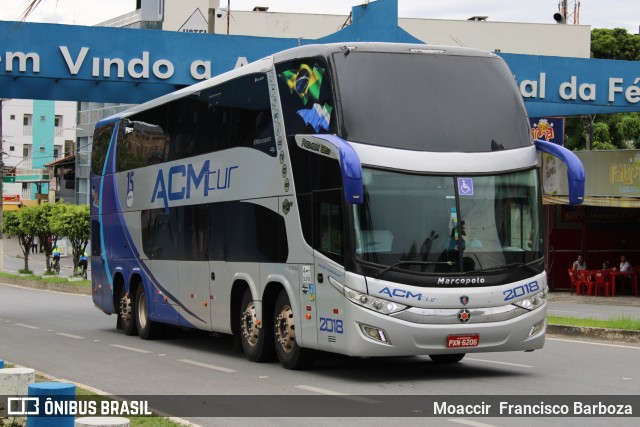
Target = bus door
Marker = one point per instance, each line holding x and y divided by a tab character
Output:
329	249
99	280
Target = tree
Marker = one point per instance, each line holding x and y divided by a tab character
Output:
47	231
33	4
23	225
74	223
614	43
629	129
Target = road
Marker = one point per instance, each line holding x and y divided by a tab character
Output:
65	336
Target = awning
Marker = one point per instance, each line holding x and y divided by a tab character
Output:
69	160
603	201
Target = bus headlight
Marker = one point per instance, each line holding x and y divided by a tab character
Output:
535	301
376	304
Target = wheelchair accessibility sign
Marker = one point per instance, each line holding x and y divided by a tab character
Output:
465	186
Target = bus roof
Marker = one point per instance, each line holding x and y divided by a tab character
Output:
323	50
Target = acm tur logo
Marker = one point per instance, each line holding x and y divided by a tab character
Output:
183	180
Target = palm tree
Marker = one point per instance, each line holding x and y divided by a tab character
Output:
30	8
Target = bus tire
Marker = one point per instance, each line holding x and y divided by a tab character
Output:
447	358
147	329
126	314
257	342
290	354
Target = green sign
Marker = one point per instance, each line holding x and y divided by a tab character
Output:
10	179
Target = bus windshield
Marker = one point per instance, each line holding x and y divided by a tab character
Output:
430	102
448	224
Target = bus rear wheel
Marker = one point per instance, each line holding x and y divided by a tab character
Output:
255	336
126	314
447	358
290	354
147	329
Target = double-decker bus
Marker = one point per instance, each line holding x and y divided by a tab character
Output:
367	199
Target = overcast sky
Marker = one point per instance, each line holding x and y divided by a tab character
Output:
596	13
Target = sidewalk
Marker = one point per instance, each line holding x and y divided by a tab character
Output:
13	260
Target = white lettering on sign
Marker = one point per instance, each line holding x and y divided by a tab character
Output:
74	66
201	70
241	62
22	61
631	93
533	88
570	90
136	68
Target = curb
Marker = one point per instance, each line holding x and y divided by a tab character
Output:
616	335
46	286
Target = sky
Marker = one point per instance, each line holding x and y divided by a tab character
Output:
596	13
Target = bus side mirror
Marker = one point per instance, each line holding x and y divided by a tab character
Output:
337	148
575	169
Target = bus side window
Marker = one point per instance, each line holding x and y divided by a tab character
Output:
252	120
306	96
329	225
101	139
214	117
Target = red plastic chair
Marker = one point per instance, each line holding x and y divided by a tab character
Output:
586	281
602	281
575	281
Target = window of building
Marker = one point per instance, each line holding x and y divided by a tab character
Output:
57	121
12	117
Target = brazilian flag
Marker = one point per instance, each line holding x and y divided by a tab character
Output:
305	81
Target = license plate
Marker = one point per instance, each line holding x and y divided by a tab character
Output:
456	341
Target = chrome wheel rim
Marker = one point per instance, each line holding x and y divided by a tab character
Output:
249	330
285	329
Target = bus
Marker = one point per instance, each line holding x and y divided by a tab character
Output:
367	199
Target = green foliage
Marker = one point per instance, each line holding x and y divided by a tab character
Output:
23	225
614	43
629	129
621	322
49	222
73	222
601	134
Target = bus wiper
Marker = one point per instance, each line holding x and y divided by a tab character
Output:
395	264
512	265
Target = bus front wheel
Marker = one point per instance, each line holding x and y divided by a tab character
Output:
447	358
147	329
290	354
255	336
126	314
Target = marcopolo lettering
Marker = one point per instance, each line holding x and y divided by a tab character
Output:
460	281
182	181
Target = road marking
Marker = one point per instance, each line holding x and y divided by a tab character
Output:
470	422
124	347
517	365
26	326
62	334
594	343
206	365
336	393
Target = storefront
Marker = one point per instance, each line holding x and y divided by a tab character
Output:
606	226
